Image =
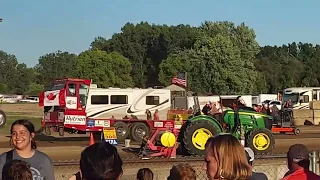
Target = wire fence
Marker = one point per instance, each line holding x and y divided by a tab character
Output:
274	166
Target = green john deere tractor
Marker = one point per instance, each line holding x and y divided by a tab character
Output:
256	126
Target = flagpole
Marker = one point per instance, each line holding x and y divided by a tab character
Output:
186	79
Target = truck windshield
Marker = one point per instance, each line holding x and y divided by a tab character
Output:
294	97
57	86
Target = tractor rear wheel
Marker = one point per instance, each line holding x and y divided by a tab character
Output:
196	135
261	140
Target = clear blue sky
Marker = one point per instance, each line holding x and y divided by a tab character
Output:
32	28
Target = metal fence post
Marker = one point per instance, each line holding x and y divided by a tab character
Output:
314	161
317	163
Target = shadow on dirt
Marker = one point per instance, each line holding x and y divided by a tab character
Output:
52	139
147	152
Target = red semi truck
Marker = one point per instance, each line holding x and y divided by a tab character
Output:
77	105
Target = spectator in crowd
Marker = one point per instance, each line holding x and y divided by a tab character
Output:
207	108
289	104
226	158
25	148
145	174
99	161
265	109
182	172
156	115
250	158
275	113
259	108
16	170
214	109
148	113
298	164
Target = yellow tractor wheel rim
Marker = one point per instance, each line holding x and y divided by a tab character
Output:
200	137
261	141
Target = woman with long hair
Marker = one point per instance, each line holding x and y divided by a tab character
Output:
99	161
25	149
182	172
145	174
225	159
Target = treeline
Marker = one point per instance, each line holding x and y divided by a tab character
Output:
220	58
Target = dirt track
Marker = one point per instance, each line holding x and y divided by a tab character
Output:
69	148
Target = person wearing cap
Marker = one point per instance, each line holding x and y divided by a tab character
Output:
298	164
250	157
207	108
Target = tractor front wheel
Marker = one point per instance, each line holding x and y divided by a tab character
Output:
261	140
196	135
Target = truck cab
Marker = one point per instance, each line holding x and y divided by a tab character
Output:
64	104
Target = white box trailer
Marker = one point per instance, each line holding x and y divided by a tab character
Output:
226	100
262	97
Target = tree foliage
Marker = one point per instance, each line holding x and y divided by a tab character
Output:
106	70
219	58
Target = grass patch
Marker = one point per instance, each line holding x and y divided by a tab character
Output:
11	118
29	114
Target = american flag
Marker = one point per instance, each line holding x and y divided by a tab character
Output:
180	79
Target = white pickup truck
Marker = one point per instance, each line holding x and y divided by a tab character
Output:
30	100
3	119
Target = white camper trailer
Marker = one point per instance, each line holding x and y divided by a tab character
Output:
301	96
263	97
226	100
116	102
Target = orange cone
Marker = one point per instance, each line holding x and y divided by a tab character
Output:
91	139
43	123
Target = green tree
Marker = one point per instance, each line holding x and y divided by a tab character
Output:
146	46
8	66
99	43
177	62
14	77
282	67
106	70
56	65
218	63
23	77
34	89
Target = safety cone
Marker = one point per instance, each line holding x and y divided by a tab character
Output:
43	123
91	139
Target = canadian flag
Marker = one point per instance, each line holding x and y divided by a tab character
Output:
52	98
